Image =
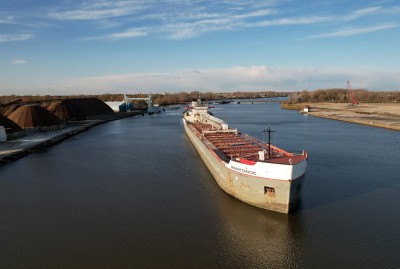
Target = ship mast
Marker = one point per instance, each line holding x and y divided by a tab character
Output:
269	131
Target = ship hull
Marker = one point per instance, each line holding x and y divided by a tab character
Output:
267	193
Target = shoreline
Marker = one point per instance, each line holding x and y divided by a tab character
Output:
382	115
372	124
13	150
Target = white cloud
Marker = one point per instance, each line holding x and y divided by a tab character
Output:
25	21
87	14
183	33
18	61
238	78
7	20
99	10
15	37
362	13
257	13
130	33
393	10
356	31
290	21
179	19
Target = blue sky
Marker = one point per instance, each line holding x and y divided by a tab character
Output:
104	46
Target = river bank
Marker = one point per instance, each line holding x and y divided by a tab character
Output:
383	115
13	150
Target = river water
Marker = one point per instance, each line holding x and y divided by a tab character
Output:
134	193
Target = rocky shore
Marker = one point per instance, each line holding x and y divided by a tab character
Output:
34	142
383	115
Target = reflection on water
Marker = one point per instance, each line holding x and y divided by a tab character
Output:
257	238
135	193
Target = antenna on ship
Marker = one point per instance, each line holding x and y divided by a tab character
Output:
269	131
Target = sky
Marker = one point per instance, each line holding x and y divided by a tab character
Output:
130	46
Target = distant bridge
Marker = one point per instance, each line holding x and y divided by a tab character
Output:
258	101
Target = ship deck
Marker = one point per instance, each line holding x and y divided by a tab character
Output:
229	145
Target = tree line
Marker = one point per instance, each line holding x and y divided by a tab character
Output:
161	99
320	95
343	96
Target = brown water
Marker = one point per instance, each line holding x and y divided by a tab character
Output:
134	193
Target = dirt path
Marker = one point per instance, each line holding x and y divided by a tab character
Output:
378	115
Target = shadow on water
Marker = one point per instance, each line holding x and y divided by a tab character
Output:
255	238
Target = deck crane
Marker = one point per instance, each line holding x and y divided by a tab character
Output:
351	93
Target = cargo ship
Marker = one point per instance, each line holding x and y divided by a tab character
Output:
257	173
